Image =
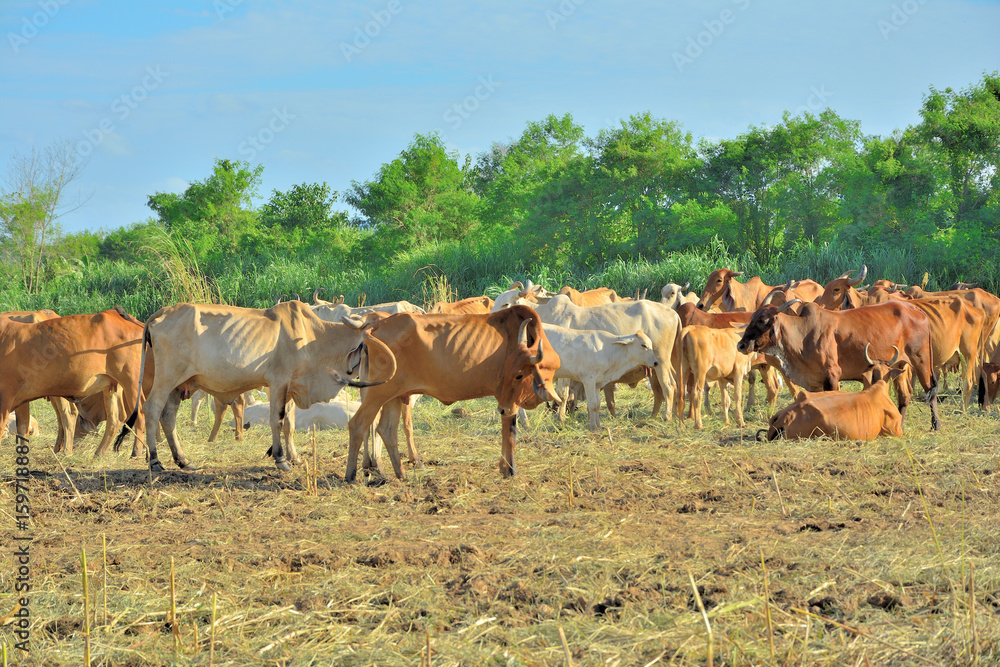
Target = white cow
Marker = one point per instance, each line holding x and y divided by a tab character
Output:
595	359
660	323
517	291
673	295
334	312
32	426
326	415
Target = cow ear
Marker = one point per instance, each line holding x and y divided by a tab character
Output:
894	373
353	322
727	301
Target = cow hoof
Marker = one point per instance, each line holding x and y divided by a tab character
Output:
187	466
283	465
155	466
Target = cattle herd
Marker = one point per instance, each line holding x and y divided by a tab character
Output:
111	367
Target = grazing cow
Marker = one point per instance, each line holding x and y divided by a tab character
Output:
61	406
71	357
660	323
322	416
842	415
887	285
989	383
597	358
710	355
456	358
226	351
818	348
474	305
672	295
592	297
732	294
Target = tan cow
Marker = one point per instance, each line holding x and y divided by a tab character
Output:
842	415
474	305
226	351
591	297
989	384
455	358
709	354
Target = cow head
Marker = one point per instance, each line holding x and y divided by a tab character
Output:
760	333
879	369
671	294
718	287
839	294
960	286
989	384
641	348
530	366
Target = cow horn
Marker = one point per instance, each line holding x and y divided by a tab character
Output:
788	286
788	304
861	276
895	357
767	299
644	293
736	274
522	333
686	286
537	359
517	285
636	293
316	293
279	299
868	359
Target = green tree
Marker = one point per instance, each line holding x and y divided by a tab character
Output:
422	196
215	214
302	220
32	199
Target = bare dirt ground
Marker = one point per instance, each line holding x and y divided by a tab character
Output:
649	543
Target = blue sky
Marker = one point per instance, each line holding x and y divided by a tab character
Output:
153	92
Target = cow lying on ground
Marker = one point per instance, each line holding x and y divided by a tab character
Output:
12	427
843	415
989	384
455	358
595	359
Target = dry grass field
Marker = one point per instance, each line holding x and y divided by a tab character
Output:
650	544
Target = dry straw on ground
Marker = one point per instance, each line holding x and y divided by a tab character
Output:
624	548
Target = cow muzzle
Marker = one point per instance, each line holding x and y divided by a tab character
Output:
745	346
543	392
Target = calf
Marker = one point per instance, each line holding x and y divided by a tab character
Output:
709	354
598	358
989	383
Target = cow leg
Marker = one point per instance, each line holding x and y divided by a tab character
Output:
411	449
593	405
152	409
752	389
238	409
666	393
358	429
219	410
66	413
168	420
22	418
562	406
388	430
724	390
770	378
372	455
509	439
275	418
196	405
738	398
111	424
609	398
288	429
696	391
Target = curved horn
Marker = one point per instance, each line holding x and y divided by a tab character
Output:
788	304
895	357
522	333
861	276
868	359
687	285
736	274
517	285
279	299
767	299
537	359
316	293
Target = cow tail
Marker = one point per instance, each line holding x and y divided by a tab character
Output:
130	422
982	390
680	376
932	393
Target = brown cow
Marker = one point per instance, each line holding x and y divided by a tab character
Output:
839	293
474	305
456	358
842	415
803	290
818	348
732	294
72	357
592	297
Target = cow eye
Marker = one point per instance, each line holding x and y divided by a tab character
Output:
519	376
